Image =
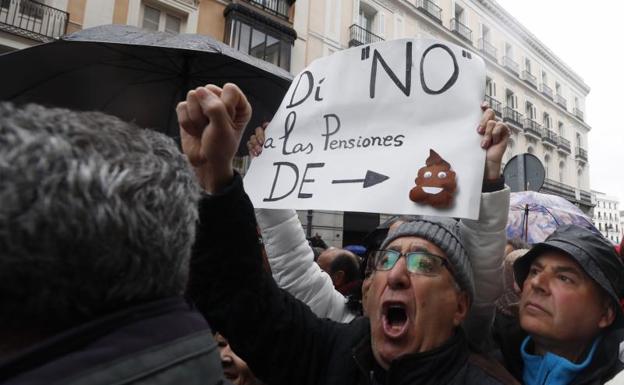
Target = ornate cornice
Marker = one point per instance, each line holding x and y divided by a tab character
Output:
507	20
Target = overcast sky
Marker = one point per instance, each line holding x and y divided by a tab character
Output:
587	36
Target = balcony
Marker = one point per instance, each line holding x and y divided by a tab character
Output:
360	36
560	100
563	145
546	91
512	116
431	9
557	188
488	49
580	154
275	7
529	78
495	105
32	20
549	138
578	113
461	30
533	128
511	65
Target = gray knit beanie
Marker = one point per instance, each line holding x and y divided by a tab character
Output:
444	233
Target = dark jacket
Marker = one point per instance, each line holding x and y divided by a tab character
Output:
604	366
281	339
162	342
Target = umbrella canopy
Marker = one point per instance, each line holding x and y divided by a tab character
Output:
534	216
137	75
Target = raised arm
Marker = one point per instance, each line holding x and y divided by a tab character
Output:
267	327
484	239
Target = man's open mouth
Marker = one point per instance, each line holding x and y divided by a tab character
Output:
431	189
394	319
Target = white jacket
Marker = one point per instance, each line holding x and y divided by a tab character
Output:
292	262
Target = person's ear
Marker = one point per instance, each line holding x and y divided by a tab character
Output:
463	304
608	316
338	278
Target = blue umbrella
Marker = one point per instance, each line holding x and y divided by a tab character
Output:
534	216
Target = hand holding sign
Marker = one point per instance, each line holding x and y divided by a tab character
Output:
212	121
355	128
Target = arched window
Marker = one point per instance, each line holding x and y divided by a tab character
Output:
530	150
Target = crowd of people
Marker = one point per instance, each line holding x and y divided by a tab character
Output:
126	261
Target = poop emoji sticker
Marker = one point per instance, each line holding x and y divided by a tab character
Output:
435	183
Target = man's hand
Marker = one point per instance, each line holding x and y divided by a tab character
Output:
212	121
254	145
494	141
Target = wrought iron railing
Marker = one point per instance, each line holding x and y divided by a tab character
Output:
276	7
581	153
32	19
494	104
488	49
461	29
563	144
532	127
511	65
512	116
430	8
546	91
529	78
360	36
560	100
549	137
578	113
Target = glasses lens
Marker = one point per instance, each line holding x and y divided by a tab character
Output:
423	263
386	259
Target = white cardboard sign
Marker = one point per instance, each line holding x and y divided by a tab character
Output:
358	129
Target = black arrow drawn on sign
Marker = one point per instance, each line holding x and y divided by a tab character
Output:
372	178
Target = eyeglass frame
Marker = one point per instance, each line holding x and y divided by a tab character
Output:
443	261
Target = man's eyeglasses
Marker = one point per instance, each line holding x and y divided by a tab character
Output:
418	262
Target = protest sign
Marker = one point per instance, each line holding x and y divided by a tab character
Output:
389	127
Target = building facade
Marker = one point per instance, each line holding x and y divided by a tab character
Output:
607	217
529	87
538	95
260	28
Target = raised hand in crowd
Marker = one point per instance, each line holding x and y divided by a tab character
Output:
212	121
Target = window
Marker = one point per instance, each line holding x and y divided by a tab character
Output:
600	226
155	19
485	33
459	14
30	9
530	150
508	50
580	144
367	17
558	88
259	41
544	77
561	171
546	121
546	164
530	110
527	64
490	87
561	130
511	99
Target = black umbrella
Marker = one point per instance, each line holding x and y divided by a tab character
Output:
137	75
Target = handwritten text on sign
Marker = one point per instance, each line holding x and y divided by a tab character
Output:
357	129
